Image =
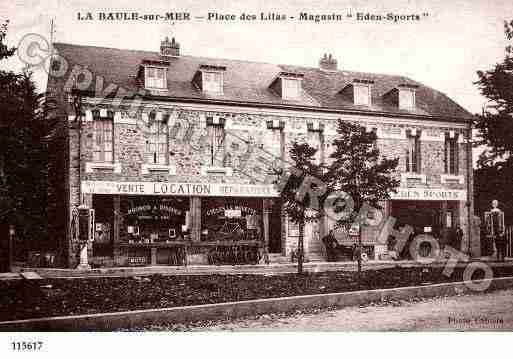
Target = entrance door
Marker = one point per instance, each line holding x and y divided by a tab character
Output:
421	215
275	227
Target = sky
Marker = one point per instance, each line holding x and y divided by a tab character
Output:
443	49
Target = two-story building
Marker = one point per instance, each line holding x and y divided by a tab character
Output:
173	152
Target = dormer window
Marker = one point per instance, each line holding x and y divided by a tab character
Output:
359	91
361	95
288	85
210	79
213	82
362	92
291	88
406	97
155	77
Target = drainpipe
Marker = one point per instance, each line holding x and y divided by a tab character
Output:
469	187
77	106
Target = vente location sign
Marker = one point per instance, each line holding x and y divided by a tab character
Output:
179	189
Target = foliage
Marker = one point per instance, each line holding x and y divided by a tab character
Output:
24	133
358	170
495	125
300	205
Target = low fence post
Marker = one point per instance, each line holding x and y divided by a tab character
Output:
509	241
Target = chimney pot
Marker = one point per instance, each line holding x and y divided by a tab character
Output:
328	63
168	48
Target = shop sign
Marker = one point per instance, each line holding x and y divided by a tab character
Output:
179	189
232	211
429	194
156	209
136	261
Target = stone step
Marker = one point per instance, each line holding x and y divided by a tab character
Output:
313	257
278	258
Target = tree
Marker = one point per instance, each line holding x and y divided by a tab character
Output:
495	125
298	185
24	132
358	170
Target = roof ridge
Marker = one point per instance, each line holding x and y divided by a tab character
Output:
186	56
340	72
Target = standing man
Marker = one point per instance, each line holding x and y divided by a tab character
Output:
495	228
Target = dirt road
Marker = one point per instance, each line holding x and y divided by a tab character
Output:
478	312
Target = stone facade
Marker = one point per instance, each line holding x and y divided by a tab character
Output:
250	149
228	140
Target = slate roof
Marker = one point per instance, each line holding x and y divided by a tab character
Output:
248	83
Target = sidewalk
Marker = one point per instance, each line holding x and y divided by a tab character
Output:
265	269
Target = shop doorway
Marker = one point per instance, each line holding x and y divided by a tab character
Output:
423	216
104	224
275	242
436	218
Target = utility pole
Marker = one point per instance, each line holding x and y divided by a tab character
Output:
12	232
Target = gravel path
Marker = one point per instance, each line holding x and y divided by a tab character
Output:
479	312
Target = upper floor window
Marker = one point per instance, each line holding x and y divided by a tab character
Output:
216	134
291	88
406	98
451	154
316	139
413	158
103	137
157	141
370	129
155	77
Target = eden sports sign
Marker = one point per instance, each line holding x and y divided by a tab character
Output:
429	194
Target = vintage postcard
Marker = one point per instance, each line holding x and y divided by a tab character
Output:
294	166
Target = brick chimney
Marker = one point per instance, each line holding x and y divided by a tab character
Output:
169	48
328	63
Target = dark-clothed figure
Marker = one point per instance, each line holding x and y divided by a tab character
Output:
500	242
330	243
495	228
458	238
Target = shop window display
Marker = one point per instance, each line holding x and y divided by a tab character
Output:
231	219
155	219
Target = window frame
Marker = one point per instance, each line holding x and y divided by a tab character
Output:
413	155
158	140
102	132
451	155
315	140
286	90
212	86
410	105
357	96
216	132
150	82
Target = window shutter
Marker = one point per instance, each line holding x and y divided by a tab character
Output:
407	160
413	160
108	141
453	157
418	155
446	155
